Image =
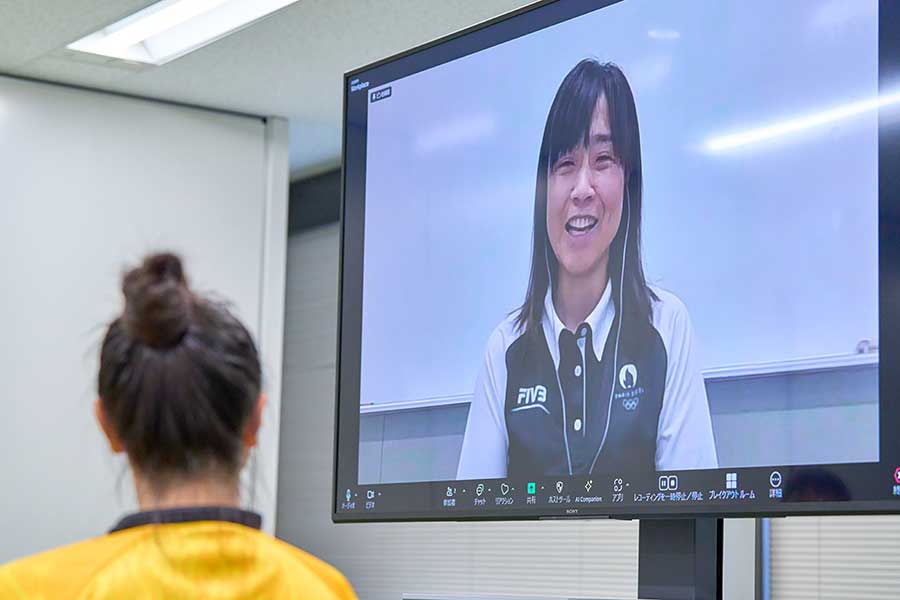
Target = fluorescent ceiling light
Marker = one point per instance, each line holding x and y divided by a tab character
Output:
664	34
803	122
172	28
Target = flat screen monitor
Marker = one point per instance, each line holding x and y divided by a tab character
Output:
624	259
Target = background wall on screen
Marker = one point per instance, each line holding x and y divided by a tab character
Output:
772	246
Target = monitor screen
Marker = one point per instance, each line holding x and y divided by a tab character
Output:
623	258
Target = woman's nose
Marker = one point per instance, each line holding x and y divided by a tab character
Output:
583	191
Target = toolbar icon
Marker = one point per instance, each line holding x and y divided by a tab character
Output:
479	490
370	494
588	485
775	479
668	483
504	489
731	481
559	487
532	487
348	495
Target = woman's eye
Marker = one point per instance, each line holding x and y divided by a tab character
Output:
603	160
564	164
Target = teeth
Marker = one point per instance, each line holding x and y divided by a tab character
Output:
581	222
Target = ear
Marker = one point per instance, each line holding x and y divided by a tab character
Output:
115	444
254	422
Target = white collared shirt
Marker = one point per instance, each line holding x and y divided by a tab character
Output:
684	436
600	320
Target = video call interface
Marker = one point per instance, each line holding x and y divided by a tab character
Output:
623	263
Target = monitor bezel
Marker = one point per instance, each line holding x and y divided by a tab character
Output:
889	263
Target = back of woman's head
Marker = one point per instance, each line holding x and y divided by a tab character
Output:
179	376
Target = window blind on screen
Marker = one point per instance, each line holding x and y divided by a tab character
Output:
832	558
384	561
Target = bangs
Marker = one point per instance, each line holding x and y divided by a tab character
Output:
569	121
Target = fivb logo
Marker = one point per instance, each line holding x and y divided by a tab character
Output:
532	397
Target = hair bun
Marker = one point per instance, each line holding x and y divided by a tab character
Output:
158	302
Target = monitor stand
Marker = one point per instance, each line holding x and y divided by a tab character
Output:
680	559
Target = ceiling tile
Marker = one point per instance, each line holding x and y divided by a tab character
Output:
289	64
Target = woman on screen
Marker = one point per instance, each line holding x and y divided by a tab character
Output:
597	371
179	392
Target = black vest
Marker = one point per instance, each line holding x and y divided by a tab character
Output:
542	443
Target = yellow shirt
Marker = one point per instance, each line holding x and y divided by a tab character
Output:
217	560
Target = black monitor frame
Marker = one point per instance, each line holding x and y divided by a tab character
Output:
471	40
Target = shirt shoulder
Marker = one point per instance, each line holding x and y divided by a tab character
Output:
314	567
670	318
64	571
502	337
104	567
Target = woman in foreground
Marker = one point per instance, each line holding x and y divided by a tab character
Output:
179	392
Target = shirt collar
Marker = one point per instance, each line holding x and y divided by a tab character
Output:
600	321
190	514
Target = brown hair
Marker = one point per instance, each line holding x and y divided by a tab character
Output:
179	375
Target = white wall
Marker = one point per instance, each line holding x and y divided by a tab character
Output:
88	183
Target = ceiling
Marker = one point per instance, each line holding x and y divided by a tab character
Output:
289	64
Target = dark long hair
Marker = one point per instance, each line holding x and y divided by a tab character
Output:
569	125
179	376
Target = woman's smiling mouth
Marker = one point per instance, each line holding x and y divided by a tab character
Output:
581	224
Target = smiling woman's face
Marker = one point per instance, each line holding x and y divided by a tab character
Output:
584	200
